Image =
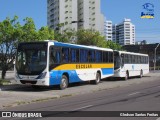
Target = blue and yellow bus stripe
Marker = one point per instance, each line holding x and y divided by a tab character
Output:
83	66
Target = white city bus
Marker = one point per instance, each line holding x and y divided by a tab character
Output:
55	63
129	64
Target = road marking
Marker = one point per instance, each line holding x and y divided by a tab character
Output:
133	93
77	109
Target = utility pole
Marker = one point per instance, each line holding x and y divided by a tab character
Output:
74	38
155	56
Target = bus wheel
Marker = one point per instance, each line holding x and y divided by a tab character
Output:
64	83
141	74
126	76
98	78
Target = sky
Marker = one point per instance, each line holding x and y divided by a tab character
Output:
114	10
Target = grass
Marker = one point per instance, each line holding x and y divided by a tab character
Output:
4	82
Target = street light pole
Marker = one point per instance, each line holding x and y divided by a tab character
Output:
155	56
74	38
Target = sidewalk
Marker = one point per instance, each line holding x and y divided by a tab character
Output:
9	75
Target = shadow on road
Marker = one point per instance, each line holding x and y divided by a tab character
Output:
30	88
26	88
112	79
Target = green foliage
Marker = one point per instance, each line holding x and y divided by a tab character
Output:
4	82
113	45
92	37
8	40
65	36
45	33
12	32
86	37
29	32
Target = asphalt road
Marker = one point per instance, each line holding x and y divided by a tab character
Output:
12	95
136	97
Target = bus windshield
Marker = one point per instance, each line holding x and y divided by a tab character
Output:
117	60
31	58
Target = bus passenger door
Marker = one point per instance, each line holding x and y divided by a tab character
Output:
54	62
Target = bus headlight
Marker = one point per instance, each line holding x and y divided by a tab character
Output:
42	75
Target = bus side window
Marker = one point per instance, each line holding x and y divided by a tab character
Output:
52	59
129	59
65	55
110	57
106	57
58	60
83	56
91	56
139	59
98	56
125	56
136	59
77	55
122	57
54	55
146	60
74	55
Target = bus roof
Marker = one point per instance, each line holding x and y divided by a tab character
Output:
132	53
61	44
56	43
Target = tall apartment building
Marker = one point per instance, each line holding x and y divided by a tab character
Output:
69	12
122	33
108	30
62	12
114	33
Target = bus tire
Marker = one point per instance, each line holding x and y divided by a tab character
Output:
64	83
98	78
141	74
126	76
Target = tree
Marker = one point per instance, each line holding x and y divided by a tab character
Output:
45	33
86	37
29	32
66	36
92	37
89	37
12	32
9	32
114	45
